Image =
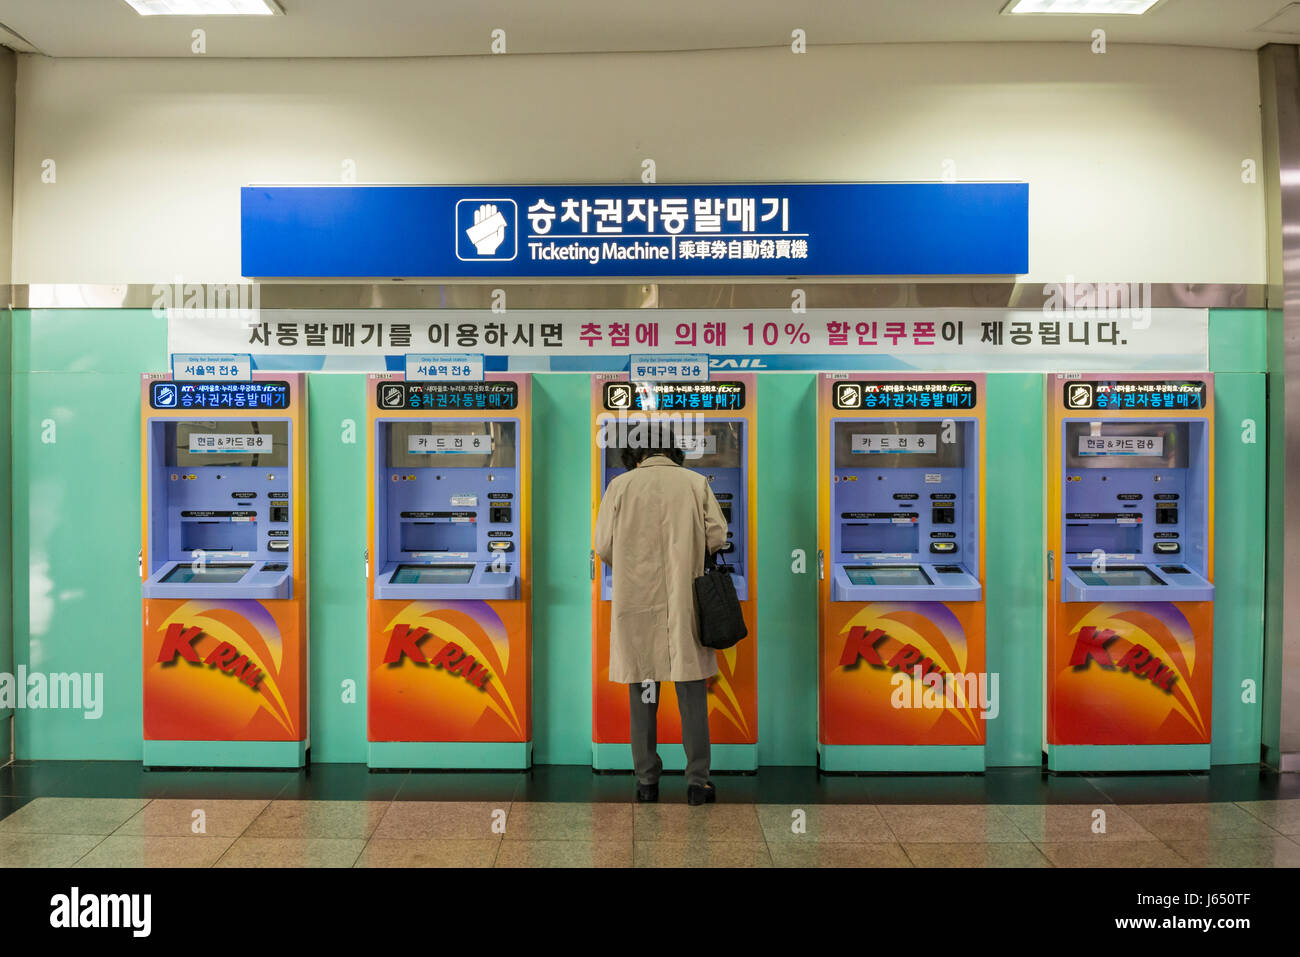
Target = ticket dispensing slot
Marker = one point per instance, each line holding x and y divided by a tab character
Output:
447	517
1136	511
904	519
716	450
219	511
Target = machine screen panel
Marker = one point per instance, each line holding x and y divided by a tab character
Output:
209	574
433	574
707	445
451	445
1128	576
231	443
887	575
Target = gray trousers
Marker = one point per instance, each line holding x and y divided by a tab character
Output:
693	705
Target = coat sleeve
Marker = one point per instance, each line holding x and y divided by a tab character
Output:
715	525
604	533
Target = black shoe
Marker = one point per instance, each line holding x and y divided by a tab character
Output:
647	793
697	794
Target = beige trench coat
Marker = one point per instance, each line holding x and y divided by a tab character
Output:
654	524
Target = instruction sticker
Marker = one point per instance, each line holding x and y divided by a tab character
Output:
229	442
449	444
1153	445
919	443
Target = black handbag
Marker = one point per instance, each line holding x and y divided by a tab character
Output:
721	623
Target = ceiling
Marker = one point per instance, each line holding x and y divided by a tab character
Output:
395	28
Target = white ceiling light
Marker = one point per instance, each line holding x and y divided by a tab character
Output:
1080	7
206	8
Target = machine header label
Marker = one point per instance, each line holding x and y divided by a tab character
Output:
447	396
219	395
940	396
674	396
1166	396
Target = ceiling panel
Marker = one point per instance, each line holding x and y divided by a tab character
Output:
393	28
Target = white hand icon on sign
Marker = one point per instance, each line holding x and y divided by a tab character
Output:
488	230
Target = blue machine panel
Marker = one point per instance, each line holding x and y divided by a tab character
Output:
1135	509
904	508
716	449
447	504
220	521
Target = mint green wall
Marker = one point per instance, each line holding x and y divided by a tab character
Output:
6	520
76	535
1271	731
1014	566
1238	356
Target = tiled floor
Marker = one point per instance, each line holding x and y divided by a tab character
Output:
102	814
184	832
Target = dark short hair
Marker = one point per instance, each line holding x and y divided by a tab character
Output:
661	441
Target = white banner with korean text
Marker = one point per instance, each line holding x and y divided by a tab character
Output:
1019	340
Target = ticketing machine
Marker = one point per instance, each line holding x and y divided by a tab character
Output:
1130	565
902	681
224	563
715	424
448	573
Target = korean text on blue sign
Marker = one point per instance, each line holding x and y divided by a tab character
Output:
448	396
791	229
939	396
465	367
1155	396
670	368
235	367
674	396
219	395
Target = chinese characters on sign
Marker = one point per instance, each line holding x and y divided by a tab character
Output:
580	231
663	229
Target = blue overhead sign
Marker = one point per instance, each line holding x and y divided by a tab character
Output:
576	232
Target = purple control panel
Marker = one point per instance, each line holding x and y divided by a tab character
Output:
1136	511
447	502
220	520
904	510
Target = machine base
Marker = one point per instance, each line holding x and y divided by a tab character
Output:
723	757
898	757
225	754
1128	757
451	755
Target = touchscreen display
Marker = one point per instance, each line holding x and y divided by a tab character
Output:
433	574
209	574
887	575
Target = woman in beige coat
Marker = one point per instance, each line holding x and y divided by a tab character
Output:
655	522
